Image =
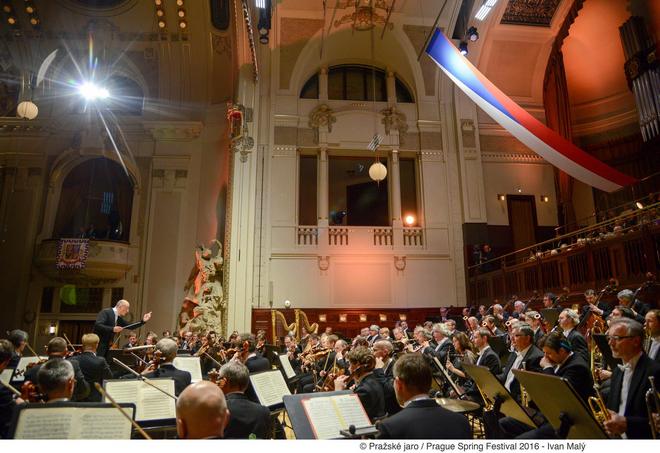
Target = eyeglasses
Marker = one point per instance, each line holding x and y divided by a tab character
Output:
618	337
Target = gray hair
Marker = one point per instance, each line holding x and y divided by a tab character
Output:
439	327
524	329
519	303
633	328
625	294
6	350
121	303
18	336
342	343
167	347
572	314
54	375
236	373
374	327
426	333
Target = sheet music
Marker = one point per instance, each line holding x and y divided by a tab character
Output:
190	364
151	404
72	423
23	362
5	376
286	366
329	415
270	387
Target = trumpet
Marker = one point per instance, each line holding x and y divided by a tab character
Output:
598	409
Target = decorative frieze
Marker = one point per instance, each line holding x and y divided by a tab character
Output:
173	131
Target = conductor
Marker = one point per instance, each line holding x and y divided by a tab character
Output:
110	321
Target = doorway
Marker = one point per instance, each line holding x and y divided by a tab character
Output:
522	219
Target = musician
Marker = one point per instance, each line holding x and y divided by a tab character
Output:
558	360
304	338
486	357
500	316
7	400
472	324
602	309
110	321
652	328
383	352
443	346
518	308
168	349
187	341
57	349
132	340
292	352
248	419
626	400
19	339
568	320
421	417
384	333
627	299
482	312
495	331
373	334
533	318
524	352
550	301
57	380
464	354
406	331
423	339
443	314
201	412
450	325
368	388
95	369
253	361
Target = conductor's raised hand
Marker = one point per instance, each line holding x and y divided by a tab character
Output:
146	317
117	329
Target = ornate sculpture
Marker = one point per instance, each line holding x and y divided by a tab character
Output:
204	304
394	120
321	116
241	142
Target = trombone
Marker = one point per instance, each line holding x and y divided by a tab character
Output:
653	407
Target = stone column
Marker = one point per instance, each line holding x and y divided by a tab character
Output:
322	189
323	84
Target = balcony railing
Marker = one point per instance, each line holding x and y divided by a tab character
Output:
359	237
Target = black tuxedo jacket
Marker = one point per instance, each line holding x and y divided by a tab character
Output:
386	377
257	363
425	419
537	336
105	322
576	371
95	369
635	413
80	391
579	344
532	363
246	418
443	351
490	360
167	370
370	392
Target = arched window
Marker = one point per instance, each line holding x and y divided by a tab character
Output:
356	83
95	202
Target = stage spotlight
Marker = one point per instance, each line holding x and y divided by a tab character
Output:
92	92
473	34
463	48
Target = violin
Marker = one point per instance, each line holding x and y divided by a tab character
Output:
30	393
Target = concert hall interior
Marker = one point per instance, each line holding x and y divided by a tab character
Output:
221	218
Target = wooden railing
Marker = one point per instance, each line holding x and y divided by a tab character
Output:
626	254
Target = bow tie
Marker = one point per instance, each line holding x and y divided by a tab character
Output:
624	367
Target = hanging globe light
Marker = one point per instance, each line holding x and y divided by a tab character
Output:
27	110
377	171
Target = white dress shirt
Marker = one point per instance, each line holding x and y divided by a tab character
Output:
516	365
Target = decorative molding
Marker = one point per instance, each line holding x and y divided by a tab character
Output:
221	44
512	158
525	12
400	263
468	134
324	263
284	151
321	117
23	128
432	156
393	120
173	131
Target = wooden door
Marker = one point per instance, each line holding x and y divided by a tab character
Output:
522	219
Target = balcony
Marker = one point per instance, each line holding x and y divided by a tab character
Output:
107	261
376	238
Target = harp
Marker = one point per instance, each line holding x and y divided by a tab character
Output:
302	321
283	327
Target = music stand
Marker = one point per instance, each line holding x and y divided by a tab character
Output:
499	396
568	414
551	315
606	351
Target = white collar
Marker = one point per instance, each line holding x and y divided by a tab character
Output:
523	353
419	397
482	350
632	363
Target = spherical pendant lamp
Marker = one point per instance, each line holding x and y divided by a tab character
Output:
377	171
27	110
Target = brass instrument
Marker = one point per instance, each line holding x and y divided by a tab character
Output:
524	396
653	407
598	408
485	324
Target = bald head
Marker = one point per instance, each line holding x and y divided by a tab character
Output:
201	411
122	306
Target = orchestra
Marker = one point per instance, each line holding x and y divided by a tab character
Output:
399	376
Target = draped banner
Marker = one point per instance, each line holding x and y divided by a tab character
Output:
72	253
542	140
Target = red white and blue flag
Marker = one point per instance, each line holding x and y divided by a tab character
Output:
539	138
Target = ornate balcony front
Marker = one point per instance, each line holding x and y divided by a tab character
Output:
107	261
